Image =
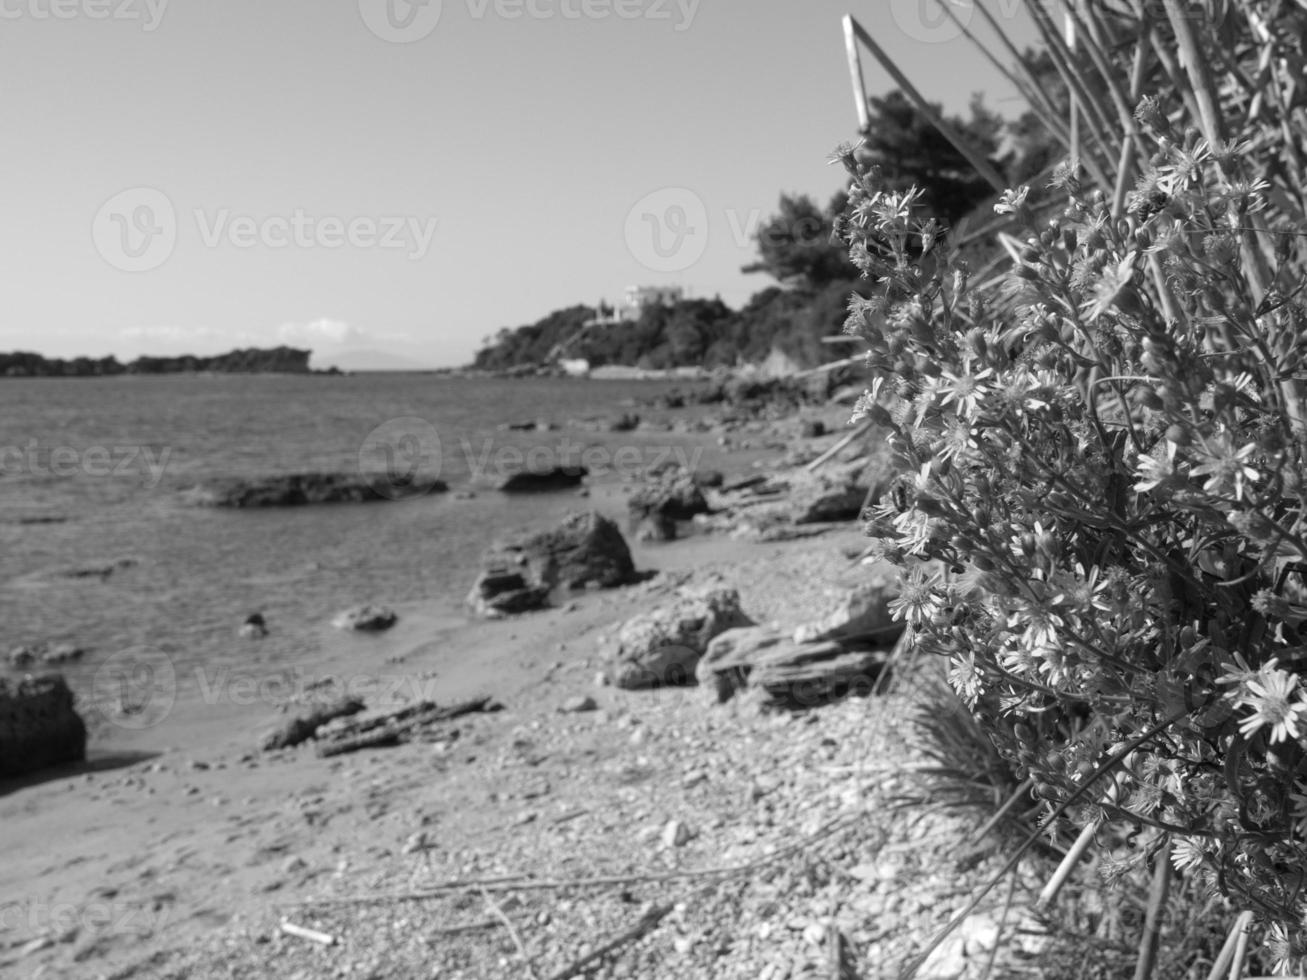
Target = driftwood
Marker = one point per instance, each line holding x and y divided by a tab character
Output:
833	450
312	935
396	726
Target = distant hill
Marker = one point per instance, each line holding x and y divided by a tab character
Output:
369	360
277	360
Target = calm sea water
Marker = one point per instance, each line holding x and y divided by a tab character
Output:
92	474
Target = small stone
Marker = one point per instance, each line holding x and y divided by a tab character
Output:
693	779
675	834
293	865
682	944
368	619
416	843
578	704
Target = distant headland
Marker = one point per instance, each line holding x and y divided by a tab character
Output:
276	360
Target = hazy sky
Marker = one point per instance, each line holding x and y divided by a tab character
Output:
193	175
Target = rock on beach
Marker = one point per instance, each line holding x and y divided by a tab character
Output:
39	726
520	572
662	646
543	481
296	490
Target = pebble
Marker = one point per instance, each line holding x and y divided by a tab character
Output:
578	704
675	834
415	843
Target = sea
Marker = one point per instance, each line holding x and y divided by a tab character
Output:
102	549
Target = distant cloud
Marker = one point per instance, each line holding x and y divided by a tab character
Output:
336	333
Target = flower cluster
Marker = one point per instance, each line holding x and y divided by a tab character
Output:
1102	502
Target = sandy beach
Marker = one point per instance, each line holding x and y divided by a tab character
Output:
182	847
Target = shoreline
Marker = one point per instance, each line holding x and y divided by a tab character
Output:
197	784
177	836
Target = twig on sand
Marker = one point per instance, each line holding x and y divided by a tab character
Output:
635	933
312	935
517	939
468	927
518	883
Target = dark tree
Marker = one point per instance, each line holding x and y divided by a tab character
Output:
795	245
909	151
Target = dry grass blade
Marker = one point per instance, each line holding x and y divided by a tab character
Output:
1157	896
1107	768
499	914
520	883
1226	956
1049	895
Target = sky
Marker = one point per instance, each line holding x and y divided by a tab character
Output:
183	176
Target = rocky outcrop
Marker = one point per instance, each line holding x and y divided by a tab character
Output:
366	619
654	510
298	489
503	592
662	647
789	674
833	493
780	506
520	573
304	727
544	481
39	726
859	612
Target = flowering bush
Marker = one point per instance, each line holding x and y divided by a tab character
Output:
1101	500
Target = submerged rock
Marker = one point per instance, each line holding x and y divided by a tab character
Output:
255	627
662	647
38	725
299	489
544	481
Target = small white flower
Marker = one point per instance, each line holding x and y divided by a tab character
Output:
1269	697
1012	200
